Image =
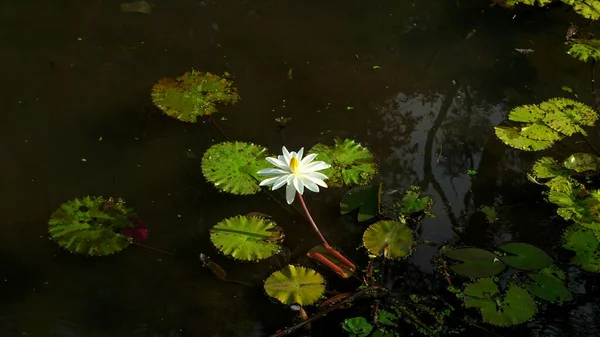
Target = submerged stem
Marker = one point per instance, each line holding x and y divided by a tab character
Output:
214	122
154	249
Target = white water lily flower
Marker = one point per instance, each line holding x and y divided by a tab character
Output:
296	172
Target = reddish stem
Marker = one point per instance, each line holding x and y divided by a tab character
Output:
154	249
325	244
218	127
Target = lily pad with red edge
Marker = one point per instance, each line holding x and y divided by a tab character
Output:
329	260
91	225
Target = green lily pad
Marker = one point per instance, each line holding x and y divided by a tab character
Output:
351	163
232	166
192	95
477	262
586	246
92	225
412	203
526	256
357	327
511	136
516	307
393	239
548	288
295	285
587	9
582	162
366	199
584	49
246	238
547	167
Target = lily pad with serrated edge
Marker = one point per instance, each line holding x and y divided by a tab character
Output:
393	239
232	166
192	95
295	285
246	238
548	288
586	246
477	262
367	199
515	307
546	168
526	256
92	226
351	163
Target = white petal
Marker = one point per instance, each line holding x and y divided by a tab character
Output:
298	185
282	181
279	163
317	175
286	155
316	181
300	153
290	194
316	166
268	181
310	185
308	159
271	172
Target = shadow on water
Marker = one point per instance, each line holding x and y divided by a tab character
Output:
426	81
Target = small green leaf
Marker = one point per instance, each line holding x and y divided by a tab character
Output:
477	262
366	199
357	327
232	166
246	238
192	95
385	317
490	213
393	239
526	256
92	225
412	203
351	163
295	285
548	288
584	49
547	167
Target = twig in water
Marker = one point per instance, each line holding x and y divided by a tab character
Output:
154	249
214	122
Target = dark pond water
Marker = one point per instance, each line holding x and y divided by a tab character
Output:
75	72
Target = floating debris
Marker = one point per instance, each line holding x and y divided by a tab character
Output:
524	51
136	7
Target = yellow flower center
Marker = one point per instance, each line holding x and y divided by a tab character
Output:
294	163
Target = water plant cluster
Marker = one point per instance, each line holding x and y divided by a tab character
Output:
497	287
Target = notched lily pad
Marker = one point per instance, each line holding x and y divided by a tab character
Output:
526	256
192	95
516	307
351	163
548	288
393	239
247	238
95	226
476	262
232	166
295	285
367	199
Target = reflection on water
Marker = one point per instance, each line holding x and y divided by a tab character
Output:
424	99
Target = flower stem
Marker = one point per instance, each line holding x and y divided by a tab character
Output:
335	253
218	127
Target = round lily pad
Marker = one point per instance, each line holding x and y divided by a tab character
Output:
247	238
351	163
526	256
586	246
295	285
476	262
582	162
548	288
393	239
95	226
515	307
193	94
232	166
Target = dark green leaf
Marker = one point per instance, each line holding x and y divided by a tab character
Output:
366	199
357	327
526	256
477	262
549	288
